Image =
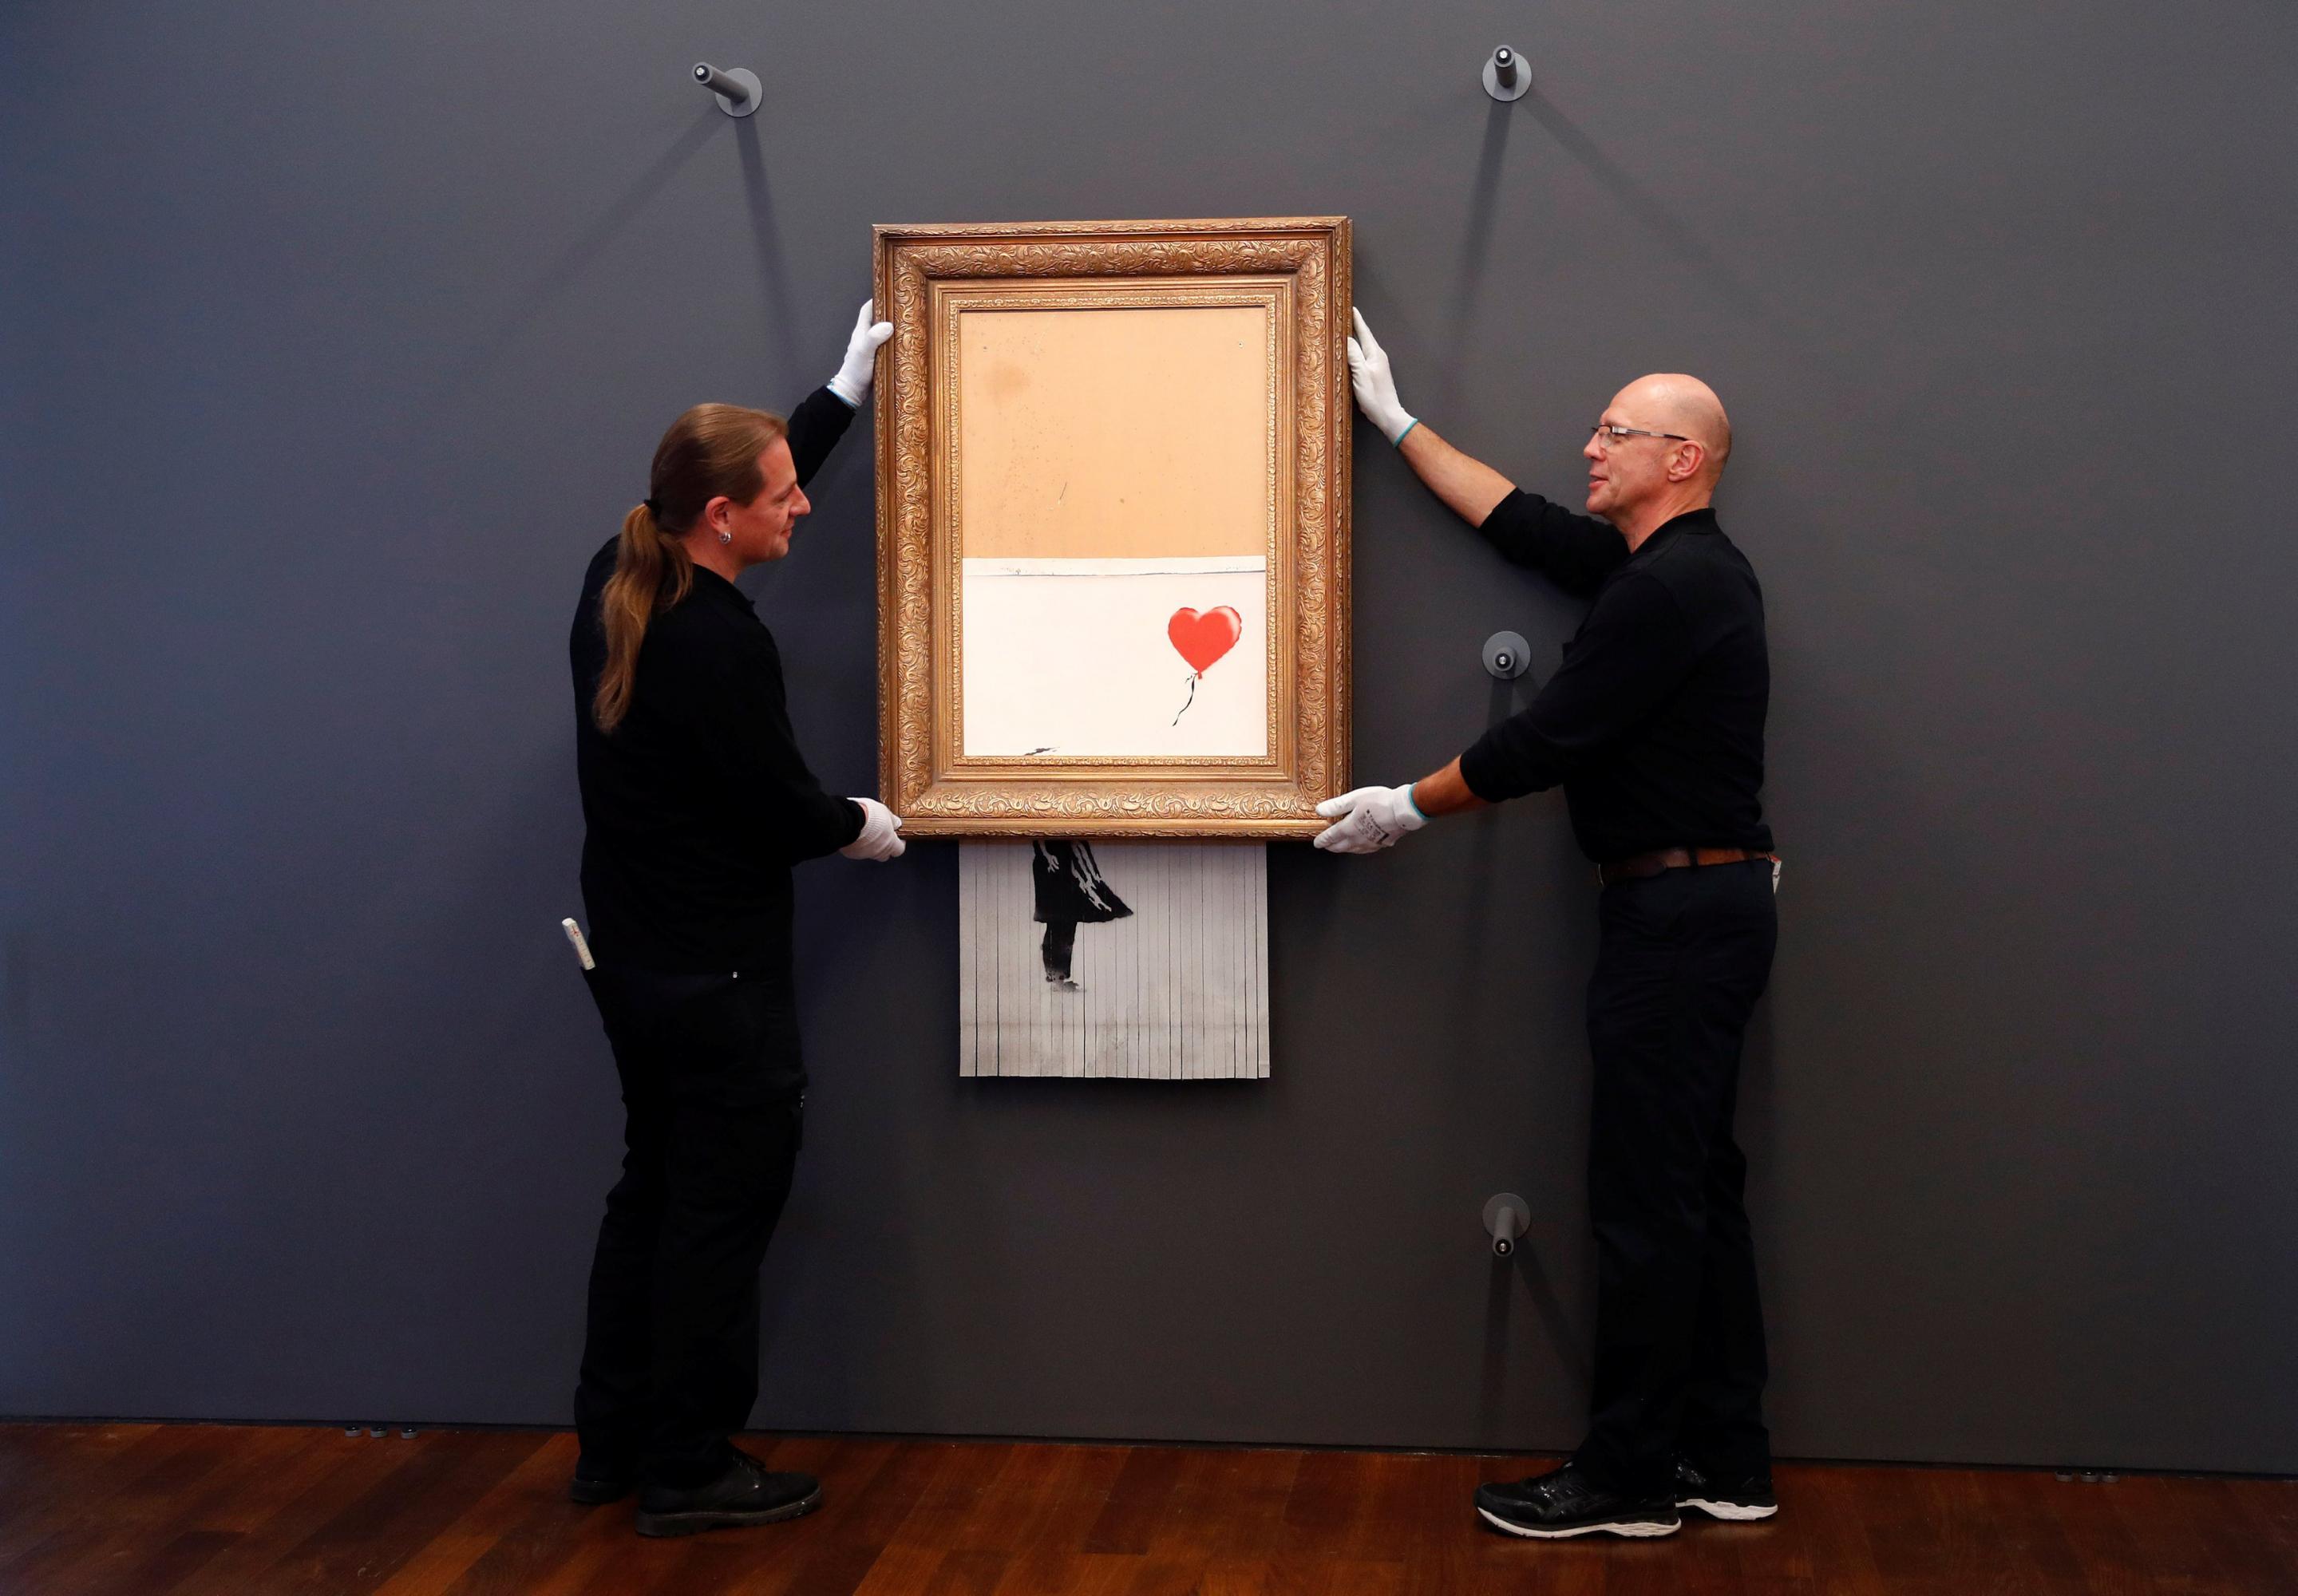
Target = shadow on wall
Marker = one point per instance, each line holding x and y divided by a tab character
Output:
1473	262
553	281
1663	224
1476	252
773	270
1569	1348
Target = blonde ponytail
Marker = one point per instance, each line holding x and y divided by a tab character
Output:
650	569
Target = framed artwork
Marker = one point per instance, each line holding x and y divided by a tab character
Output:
1113	527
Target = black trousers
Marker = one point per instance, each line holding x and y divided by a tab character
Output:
1679	1361
712	1095
1056	946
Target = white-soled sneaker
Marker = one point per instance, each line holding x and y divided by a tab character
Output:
1736	1501
1551	1507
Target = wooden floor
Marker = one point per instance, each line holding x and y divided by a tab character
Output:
154	1509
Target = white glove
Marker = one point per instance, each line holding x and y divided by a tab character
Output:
1375	383
1370	819
852	383
881	833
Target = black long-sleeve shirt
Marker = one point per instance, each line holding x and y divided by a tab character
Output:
698	802
1654	723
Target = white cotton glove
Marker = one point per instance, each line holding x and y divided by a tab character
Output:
881	833
1369	818
852	383
1375	383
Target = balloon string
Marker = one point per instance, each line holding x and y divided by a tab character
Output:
1193	698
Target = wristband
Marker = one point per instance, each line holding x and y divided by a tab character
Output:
1400	437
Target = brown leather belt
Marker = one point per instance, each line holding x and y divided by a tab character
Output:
1642	866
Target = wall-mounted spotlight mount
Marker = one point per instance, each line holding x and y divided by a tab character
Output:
737	91
1506	77
1506	655
1507	1217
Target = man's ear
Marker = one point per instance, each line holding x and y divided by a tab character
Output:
1690	457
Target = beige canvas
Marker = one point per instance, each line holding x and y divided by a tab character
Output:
1101	434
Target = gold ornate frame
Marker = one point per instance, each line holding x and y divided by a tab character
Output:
924	278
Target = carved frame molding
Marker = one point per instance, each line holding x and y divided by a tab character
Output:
920	275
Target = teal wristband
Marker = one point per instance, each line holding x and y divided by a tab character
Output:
1409	786
1400	437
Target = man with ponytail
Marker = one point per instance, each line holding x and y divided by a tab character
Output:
697	804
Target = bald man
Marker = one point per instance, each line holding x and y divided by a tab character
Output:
1653	725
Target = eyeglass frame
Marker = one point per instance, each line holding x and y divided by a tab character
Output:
1620	431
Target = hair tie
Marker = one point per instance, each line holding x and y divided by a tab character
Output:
653	504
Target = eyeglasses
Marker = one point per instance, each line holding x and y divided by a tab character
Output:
1600	430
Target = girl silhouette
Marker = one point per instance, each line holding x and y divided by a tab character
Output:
1070	893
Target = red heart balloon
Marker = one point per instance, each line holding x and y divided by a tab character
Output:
1203	638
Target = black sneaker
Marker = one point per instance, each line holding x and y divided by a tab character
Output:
596	1482
1567	1503
1741	1500
746	1493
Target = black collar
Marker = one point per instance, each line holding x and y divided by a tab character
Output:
1702	519
719	589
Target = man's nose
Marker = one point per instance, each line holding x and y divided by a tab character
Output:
802	504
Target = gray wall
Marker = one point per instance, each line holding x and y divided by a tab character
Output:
334	342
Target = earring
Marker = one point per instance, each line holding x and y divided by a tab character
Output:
725	537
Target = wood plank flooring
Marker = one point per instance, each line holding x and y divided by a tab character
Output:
179	1509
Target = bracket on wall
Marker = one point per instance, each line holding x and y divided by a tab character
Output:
1506	655
1507	1217
1506	77
737	91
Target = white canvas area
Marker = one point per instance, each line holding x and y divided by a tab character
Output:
1072	657
1177	991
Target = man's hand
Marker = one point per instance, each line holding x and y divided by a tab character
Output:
881	828
852	383
1375	383
1368	819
